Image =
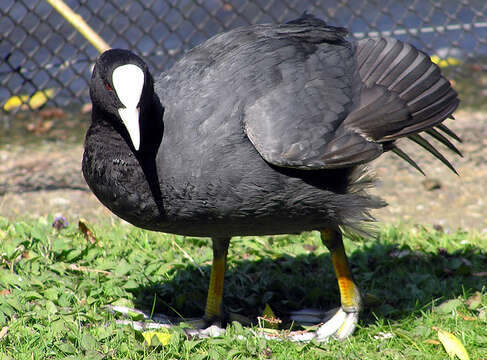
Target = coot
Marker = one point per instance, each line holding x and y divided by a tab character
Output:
260	130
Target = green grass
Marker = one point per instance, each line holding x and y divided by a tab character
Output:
54	284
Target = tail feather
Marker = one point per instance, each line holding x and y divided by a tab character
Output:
448	132
406	158
403	94
431	149
428	108
401	71
444	140
411	87
379	61
430	122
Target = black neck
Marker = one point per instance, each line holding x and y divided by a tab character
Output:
117	142
151	129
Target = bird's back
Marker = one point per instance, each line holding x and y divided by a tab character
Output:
212	175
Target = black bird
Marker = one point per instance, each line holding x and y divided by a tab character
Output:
260	130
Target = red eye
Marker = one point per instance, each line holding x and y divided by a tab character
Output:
109	88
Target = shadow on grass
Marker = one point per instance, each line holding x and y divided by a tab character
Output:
402	280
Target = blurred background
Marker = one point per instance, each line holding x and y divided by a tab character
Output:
45	66
42	51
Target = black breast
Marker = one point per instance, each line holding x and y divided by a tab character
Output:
116	177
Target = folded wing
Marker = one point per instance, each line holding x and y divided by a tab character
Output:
335	104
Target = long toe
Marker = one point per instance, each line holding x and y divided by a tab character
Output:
340	325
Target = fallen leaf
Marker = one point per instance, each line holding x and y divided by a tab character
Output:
40	98
442	63
453	346
85	230
40	127
3	332
162	337
14	102
432	341
75	267
86	108
467	317
35	101
4	292
268	312
52	112
268	319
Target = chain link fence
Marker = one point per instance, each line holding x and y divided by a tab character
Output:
42	57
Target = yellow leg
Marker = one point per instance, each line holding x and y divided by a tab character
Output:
349	292
342	324
214	301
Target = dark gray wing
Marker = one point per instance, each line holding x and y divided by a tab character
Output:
339	105
297	119
305	97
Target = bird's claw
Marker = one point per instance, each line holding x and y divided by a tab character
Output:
340	325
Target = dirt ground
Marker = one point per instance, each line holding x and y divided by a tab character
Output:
44	177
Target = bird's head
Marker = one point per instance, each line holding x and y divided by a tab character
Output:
121	85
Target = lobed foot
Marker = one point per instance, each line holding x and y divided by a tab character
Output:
340	325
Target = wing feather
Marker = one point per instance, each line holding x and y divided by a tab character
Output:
334	104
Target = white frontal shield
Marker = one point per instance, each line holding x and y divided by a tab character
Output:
128	81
